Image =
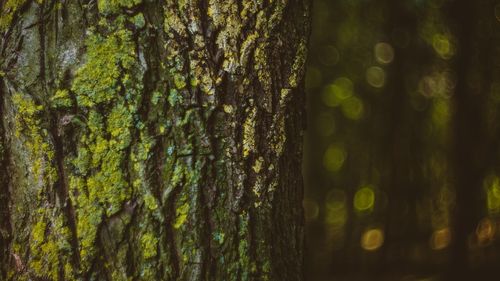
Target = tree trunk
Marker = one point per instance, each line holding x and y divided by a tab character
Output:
151	140
475	65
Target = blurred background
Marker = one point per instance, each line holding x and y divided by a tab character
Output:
402	153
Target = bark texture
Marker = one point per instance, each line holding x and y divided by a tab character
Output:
151	140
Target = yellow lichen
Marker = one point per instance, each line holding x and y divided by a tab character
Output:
107	79
181	214
149	245
257	167
61	99
108	6
227	108
249	133
10	7
28	127
46	243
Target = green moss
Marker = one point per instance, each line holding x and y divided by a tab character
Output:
150	202
108	185
98	149
139	155
47	242
173	23
245	264
155	97
61	99
194	82
95	122
179	81
181	214
174	97
9	8
28	128
119	123
149	245
38	232
82	161
249	133
97	81
219	237
138	20
109	6
26	107
88	217
107	90
144	147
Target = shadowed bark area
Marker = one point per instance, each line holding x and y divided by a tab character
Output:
5	227
151	140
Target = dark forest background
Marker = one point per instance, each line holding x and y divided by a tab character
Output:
402	162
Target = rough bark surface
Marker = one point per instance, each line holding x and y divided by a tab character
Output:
151	140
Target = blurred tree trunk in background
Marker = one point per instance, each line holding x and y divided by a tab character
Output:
404	156
474	145
151	140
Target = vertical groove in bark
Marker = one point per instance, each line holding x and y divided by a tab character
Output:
170	132
61	187
5	204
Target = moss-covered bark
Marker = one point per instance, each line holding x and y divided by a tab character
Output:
151	140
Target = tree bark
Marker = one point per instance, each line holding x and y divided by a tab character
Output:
151	140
